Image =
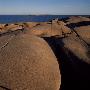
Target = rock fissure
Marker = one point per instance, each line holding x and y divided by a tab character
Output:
5	88
6	43
88	45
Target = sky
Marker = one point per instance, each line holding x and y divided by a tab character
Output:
37	7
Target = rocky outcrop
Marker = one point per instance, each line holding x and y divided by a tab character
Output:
27	60
29	25
73	53
56	28
74	57
78	47
76	69
77	19
74	25
2	25
11	27
59	28
28	63
40	30
84	33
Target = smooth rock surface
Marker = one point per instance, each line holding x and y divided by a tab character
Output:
76	19
28	63
84	32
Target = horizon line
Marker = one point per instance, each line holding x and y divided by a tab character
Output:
44	14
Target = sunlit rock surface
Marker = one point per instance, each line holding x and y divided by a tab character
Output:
76	19
68	43
84	32
28	63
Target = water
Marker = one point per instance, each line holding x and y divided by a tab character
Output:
29	18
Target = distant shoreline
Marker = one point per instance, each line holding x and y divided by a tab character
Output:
32	18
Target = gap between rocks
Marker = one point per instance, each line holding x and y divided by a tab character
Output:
75	74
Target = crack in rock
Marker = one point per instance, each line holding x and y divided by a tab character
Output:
6	42
5	88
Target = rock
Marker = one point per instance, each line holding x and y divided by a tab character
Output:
60	29
78	47
75	61
2	25
84	33
61	23
11	27
43	23
47	30
5	39
74	57
2	88
55	20
41	30
28	63
76	19
29	25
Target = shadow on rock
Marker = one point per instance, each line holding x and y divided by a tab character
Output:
75	73
73	25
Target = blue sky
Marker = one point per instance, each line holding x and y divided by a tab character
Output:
60	7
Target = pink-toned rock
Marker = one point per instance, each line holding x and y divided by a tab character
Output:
78	47
29	25
84	32
40	30
2	25
61	23
11	27
56	28
59	28
28	63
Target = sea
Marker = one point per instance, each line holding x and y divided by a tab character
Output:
31	18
